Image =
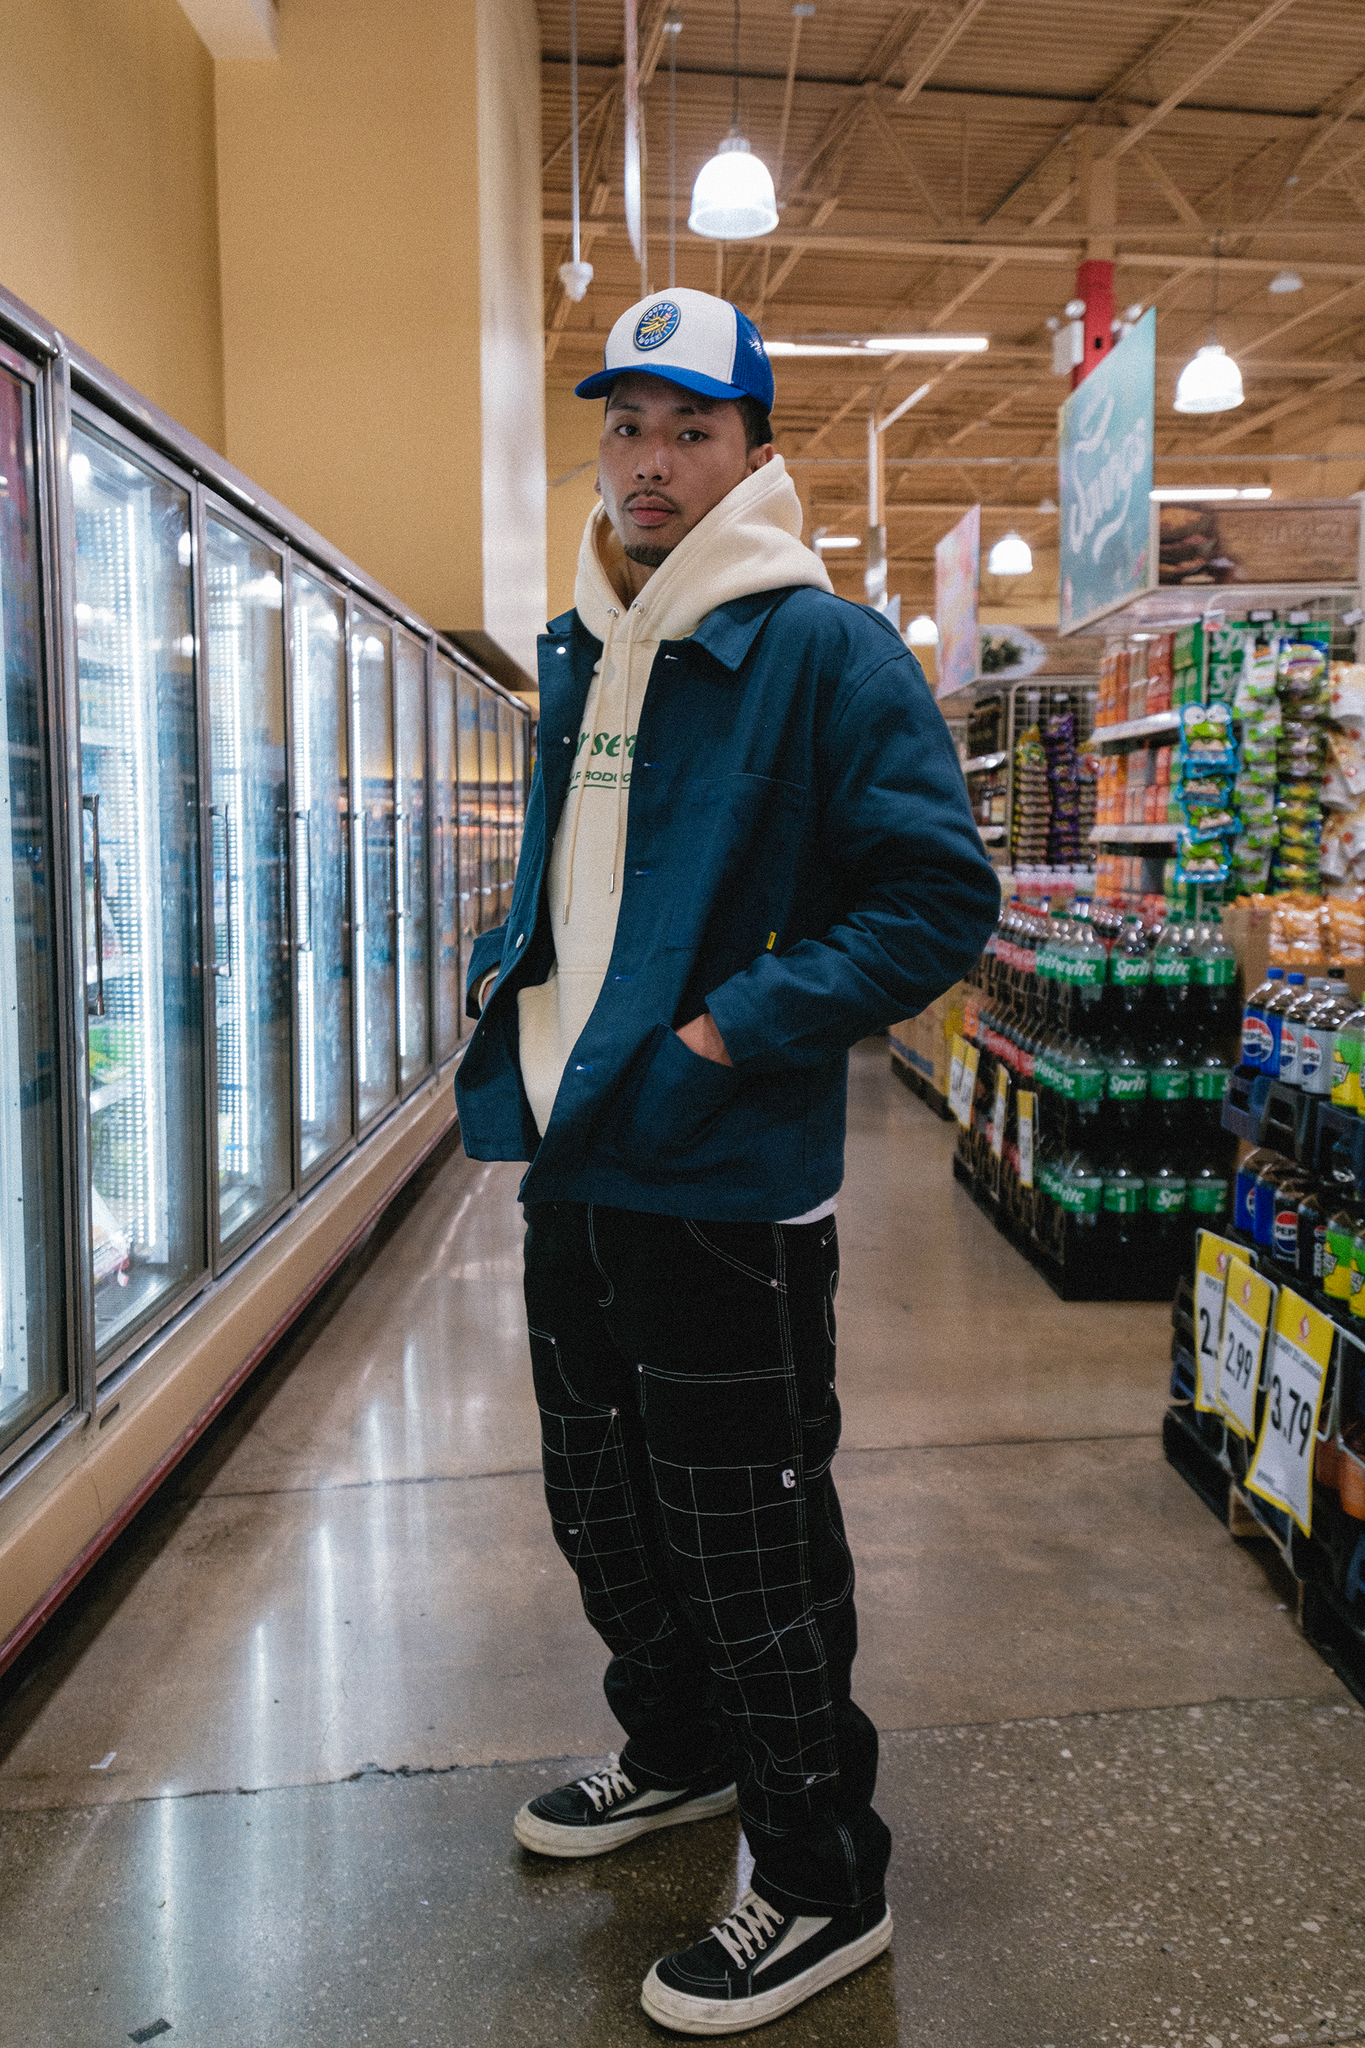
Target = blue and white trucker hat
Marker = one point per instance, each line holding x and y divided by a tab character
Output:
689	338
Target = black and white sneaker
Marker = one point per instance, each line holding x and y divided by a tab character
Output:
604	1811
759	1963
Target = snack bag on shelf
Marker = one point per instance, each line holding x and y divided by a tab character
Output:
1347	695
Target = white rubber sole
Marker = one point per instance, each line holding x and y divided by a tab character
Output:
546	1838
736	2016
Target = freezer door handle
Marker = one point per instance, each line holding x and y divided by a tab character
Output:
305	818
96	1008
223	969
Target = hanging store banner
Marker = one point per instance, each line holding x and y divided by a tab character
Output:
957	577
1104	473
1309	540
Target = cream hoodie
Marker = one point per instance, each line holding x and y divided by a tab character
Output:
750	541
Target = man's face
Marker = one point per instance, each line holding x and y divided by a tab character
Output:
666	457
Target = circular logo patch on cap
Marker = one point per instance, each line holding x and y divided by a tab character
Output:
657	325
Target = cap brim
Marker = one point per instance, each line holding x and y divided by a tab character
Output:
600	384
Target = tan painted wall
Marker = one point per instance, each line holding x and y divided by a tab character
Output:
357	288
573	427
108	224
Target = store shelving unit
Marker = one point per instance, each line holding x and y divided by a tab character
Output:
1022	702
1329	1564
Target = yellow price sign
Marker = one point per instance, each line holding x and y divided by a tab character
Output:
962	1081
1300	1353
1215	1256
1248	1305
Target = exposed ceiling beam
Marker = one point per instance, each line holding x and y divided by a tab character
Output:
1310	313
895	249
905	160
923	72
1286	406
1167	186
1224	54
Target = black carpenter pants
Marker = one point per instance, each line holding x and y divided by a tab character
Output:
685	1377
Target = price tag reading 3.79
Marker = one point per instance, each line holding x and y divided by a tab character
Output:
1248	1305
1300	1352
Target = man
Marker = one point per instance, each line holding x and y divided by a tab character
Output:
748	844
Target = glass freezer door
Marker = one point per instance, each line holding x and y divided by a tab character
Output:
140	804
470	845
249	835
322	866
373	857
445	878
506	811
34	1375
410	822
489	917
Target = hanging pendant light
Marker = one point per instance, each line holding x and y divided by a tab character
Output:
921	632
733	199
576	275
1011	556
1210	380
1285	281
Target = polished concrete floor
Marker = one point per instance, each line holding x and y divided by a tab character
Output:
340	1649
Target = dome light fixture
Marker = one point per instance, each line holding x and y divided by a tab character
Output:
1285	281
733	199
1011	556
575	275
1209	382
921	632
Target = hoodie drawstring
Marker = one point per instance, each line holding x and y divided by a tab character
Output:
613	616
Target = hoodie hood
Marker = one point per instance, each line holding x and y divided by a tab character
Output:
750	541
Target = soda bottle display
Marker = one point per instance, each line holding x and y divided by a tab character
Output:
1213	989
1296	1018
1244	1199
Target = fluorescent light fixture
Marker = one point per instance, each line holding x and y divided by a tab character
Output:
921	632
1209	382
733	199
1011	556
836	540
886	345
927	344
1176	494
80	471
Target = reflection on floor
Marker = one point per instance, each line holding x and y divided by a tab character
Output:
334	1657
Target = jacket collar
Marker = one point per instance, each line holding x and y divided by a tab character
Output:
726	634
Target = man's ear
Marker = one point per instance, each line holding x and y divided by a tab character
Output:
760	457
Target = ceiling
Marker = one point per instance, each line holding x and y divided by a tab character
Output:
945	165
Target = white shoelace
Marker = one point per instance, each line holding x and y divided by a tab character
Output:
604	1788
750	1927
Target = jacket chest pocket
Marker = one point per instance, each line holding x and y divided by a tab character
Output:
739	837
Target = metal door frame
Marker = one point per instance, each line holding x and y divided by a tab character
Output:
210	504
437	655
149	457
304	1180
45	377
424	641
358	609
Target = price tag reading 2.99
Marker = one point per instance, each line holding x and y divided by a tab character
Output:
1249	1304
1214	1258
1300	1352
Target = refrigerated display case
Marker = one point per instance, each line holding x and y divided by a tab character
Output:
140	804
445	864
252	815
376	971
410	827
36	1380
322	867
248	807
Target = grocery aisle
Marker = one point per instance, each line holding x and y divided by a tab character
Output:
328	1665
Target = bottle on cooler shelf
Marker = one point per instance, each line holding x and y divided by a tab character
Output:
1244	1200
1273	1018
1317	1032
1347	1044
1255	1030
1282	1005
